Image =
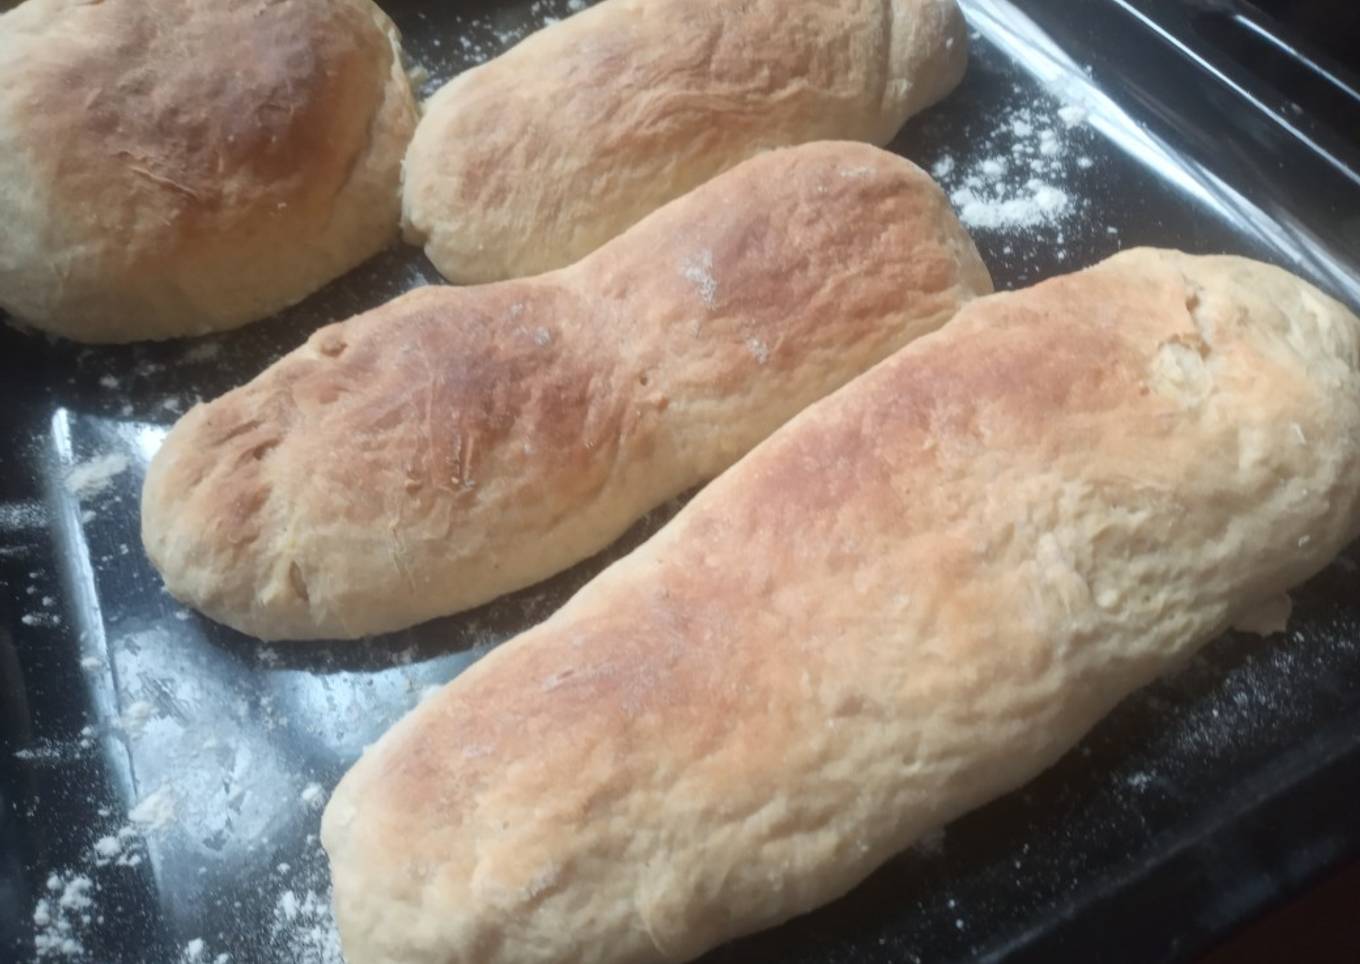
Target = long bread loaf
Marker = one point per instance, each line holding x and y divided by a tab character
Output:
911	599
457	444
529	162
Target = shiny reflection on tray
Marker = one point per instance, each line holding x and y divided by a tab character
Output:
214	752
1032	50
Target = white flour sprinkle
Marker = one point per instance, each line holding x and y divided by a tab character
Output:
156	811
1015	185
49	620
1036	203
119	849
1072	116
313	795
46	751
67	909
698	270
60	918
88	479
107	848
17	516
76	895
134	718
287	906
303	931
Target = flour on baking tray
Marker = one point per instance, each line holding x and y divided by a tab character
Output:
1016	182
303	928
61	915
87	479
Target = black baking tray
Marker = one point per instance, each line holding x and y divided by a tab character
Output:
1202	800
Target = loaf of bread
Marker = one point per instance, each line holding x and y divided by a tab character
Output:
174	167
914	597
459	443
534	159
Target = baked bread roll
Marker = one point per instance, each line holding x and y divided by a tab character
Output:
912	598
456	444
174	167
532	160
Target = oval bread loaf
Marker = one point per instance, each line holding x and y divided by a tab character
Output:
174	167
534	159
457	444
911	599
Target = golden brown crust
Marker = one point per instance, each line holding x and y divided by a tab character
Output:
456	444
530	161
198	165
912	598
